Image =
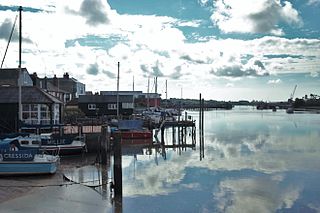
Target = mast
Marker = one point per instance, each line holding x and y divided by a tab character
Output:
156	84
166	93
20	71
118	90
133	90
148	104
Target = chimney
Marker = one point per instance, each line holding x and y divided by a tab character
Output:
34	78
45	86
55	80
66	75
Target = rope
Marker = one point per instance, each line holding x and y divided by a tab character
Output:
51	185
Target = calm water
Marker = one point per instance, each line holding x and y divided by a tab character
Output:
254	161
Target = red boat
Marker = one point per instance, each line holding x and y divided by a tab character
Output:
133	134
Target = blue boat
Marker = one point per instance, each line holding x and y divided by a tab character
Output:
15	160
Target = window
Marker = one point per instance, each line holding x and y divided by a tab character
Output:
24	142
36	113
127	105
92	107
112	106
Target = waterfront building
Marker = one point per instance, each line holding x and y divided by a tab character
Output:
65	88
105	105
140	99
38	108
50	88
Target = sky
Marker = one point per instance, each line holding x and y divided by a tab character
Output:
223	49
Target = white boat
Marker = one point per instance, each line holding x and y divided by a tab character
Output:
290	110
53	145
14	160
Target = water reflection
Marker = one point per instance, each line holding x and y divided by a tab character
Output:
94	176
254	162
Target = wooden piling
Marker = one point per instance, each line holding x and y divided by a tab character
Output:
117	167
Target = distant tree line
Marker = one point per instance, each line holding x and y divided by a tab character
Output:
312	100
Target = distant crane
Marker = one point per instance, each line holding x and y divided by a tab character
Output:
292	94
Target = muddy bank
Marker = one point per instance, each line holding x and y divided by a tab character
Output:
12	187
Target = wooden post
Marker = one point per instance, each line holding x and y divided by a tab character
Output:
162	135
103	148
173	135
117	167
200	104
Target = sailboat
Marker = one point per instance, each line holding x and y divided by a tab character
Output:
14	159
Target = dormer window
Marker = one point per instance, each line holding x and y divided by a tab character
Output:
92	107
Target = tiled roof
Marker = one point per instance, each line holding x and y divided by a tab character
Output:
9	77
28	95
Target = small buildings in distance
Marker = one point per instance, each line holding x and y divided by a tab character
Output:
65	88
105	103
45	100
38	107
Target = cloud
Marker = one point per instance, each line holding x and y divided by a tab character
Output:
109	74
156	69
93	69
177	74
152	70
144	68
313	2
188	58
5	30
254	16
229	85
93	10
235	69
275	81
257	194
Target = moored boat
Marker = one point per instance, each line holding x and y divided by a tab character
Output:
15	160
51	144
134	134
131	129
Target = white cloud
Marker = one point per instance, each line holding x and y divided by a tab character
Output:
94	11
254	16
229	85
255	195
152	41
313	2
275	81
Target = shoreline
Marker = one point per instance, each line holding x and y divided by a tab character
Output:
13	187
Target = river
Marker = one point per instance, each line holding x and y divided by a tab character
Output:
254	161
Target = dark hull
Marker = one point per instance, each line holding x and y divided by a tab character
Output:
76	150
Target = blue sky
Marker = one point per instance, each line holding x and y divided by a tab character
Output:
224	49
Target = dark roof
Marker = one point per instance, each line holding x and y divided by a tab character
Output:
9	76
105	98
73	102
52	88
29	95
66	84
